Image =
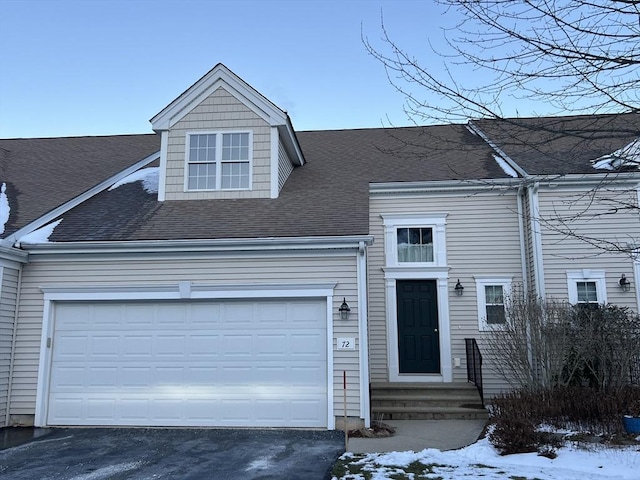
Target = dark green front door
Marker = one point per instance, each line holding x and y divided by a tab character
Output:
418	342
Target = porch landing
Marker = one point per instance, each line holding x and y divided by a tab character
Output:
426	401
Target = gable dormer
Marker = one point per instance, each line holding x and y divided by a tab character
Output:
223	139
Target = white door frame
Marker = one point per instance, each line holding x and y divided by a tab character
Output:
444	325
182	290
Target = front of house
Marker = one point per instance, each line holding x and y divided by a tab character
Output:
229	271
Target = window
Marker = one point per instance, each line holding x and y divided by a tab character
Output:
415	240
586	286
492	293
415	244
218	161
587	292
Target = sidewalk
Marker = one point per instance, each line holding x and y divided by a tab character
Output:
417	435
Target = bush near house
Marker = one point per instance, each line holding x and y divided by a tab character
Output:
518	415
573	368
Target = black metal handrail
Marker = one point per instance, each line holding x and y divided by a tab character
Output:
474	365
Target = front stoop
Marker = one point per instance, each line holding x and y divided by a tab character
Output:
426	401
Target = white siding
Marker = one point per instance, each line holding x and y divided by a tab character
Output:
219	111
482	239
588	214
8	294
247	269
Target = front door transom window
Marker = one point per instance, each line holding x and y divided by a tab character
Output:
415	245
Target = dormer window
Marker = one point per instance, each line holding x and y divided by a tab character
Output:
218	161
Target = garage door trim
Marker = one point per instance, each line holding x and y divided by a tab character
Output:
181	290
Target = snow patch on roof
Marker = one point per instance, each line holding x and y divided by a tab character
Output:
4	207
505	166
148	176
41	235
627	156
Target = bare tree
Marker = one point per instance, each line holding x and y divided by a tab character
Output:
566	57
573	56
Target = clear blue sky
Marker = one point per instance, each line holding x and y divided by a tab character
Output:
98	67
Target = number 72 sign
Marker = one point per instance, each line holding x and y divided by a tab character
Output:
346	343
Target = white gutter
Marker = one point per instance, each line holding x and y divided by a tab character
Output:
363	334
447	185
536	237
74	202
13	254
191	246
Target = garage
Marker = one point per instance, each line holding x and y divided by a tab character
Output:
258	363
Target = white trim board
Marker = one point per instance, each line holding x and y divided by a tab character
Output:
174	292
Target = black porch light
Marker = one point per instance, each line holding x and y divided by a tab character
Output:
625	284
459	288
344	310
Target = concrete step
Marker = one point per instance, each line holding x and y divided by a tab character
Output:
387	400
427	401
429	413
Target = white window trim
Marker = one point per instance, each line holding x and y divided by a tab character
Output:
481	282
218	162
435	221
586	275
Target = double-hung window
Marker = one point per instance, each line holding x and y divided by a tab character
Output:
492	293
219	161
586	286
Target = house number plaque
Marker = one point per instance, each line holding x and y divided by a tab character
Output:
346	343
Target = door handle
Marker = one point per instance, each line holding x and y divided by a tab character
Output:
435	330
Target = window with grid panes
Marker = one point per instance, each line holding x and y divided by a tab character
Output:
218	161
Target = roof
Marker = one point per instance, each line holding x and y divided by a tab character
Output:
44	173
328	196
561	145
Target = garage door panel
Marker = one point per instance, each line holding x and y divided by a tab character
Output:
236	363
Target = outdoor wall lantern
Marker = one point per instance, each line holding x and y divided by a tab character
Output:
625	284
459	288
344	310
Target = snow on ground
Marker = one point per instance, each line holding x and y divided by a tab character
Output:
148	176
4	207
481	460
40	235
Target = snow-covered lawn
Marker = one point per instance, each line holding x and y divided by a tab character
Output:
481	460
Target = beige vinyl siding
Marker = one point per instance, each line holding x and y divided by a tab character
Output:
591	218
247	269
284	166
483	239
220	111
8	295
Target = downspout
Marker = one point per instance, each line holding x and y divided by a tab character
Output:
525	280
523	246
536	237
361	265
13	346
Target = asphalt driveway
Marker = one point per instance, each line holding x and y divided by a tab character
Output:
128	453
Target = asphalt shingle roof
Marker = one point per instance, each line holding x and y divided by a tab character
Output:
561	145
43	173
327	196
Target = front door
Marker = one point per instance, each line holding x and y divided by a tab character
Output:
418	341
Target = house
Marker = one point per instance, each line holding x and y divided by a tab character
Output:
230	271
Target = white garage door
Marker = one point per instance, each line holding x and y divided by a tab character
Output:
213	363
